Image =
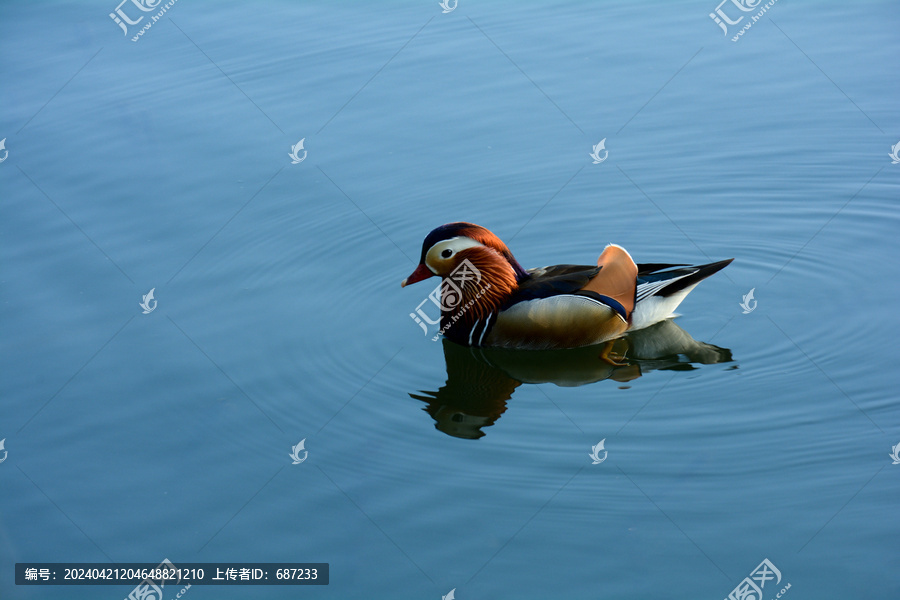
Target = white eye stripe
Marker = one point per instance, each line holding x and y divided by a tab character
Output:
434	258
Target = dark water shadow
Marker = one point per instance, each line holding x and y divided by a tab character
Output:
480	381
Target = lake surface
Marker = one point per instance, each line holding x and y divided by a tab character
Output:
730	437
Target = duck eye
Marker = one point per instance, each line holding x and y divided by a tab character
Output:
447	253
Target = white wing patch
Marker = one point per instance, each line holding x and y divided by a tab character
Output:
645	290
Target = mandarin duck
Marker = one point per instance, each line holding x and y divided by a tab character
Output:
488	299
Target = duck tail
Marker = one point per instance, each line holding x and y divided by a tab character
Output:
678	276
662	287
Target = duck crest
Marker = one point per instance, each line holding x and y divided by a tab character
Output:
478	287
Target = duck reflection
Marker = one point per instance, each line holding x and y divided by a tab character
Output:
481	380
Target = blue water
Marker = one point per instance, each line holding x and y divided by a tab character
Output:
163	164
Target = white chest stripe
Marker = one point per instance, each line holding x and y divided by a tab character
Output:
472	332
484	330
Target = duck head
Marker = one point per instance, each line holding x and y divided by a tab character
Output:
478	275
446	247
